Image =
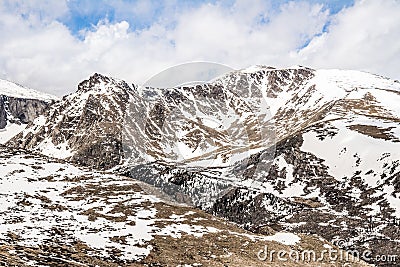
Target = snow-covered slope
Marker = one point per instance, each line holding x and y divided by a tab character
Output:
9	131
14	90
336	169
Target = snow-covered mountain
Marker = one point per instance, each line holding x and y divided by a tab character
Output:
91	125
18	106
297	149
335	166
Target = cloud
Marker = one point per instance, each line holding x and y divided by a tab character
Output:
243	36
39	49
365	36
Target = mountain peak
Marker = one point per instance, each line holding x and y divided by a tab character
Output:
101	84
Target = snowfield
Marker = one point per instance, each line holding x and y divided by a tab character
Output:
8	88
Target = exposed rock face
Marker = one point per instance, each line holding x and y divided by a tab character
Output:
20	110
3	115
21	105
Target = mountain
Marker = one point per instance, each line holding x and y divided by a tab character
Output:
84	127
19	106
296	149
334	168
91	125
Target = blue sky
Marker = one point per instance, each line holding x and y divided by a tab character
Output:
140	14
83	14
52	45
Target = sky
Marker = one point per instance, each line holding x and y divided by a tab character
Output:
53	45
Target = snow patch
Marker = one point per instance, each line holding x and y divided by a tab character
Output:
11	89
284	238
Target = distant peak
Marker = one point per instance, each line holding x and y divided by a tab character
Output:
95	79
97	76
99	83
257	68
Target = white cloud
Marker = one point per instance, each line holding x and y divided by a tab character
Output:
365	36
43	54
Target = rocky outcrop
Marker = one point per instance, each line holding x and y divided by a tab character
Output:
20	110
3	115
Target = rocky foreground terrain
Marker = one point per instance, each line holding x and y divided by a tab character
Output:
57	214
206	175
